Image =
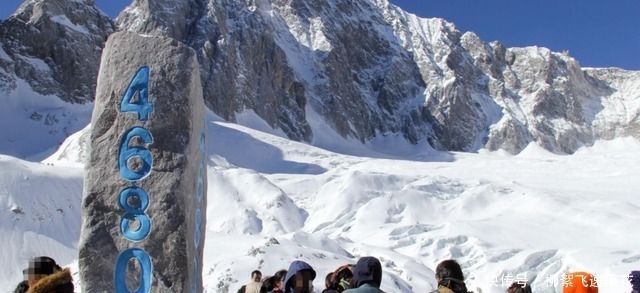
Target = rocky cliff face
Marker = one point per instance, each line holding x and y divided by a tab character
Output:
363	67
55	46
369	69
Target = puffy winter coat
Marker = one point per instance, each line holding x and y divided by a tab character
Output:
580	282
60	282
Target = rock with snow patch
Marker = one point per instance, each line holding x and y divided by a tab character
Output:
369	69
55	46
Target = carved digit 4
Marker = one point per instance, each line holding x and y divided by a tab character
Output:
140	85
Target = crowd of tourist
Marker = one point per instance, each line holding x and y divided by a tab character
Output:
43	275
366	277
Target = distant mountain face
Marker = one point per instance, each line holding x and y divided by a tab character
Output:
364	67
370	69
55	46
49	58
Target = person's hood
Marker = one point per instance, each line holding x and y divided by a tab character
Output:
368	271
295	267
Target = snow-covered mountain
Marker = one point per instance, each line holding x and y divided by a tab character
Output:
381	101
49	59
369	69
362	68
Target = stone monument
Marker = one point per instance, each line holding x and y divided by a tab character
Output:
144	197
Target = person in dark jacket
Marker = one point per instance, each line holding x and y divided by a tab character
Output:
634	278
328	285
45	276
268	284
367	276
278	279
299	278
22	287
450	278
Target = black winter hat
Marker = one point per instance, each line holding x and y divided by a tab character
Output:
42	265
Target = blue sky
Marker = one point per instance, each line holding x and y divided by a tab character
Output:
597	33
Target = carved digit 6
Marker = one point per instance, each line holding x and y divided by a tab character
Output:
134	212
126	152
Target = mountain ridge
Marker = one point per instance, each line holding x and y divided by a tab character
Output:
367	69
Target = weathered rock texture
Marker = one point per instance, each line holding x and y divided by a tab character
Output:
365	68
49	59
55	46
176	124
369	69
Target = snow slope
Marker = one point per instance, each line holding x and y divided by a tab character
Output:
535	215
33	125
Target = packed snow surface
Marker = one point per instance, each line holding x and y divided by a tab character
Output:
532	216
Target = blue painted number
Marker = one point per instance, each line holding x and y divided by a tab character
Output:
134	213
126	152
140	85
197	238
121	270
200	184
198	235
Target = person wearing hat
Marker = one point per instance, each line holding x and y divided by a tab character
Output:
45	276
299	279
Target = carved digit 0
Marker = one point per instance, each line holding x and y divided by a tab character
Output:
121	270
